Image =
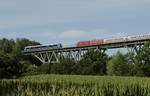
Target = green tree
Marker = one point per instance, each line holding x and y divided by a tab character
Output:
10	67
12	62
23	42
7	45
118	65
93	62
65	66
142	60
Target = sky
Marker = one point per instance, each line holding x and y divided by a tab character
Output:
69	21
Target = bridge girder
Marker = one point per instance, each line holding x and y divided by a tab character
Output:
132	50
56	56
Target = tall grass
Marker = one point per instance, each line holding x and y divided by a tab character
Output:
74	85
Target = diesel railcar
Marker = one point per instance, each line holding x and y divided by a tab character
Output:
42	47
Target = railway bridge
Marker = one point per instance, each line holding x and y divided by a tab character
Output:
76	53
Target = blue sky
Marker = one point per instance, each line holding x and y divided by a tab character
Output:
53	21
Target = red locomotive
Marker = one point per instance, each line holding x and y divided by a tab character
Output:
91	42
88	43
113	40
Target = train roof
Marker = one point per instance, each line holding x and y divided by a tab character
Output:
42	45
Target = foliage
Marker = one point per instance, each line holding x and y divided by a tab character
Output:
142	60
43	69
75	85
23	42
29	69
12	62
65	66
93	62
118	65
6	45
136	65
90	63
10	67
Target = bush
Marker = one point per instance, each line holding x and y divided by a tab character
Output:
118	65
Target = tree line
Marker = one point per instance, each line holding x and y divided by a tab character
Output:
13	63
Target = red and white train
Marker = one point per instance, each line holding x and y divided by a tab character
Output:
89	43
115	40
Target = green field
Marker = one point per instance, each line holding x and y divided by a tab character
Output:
75	85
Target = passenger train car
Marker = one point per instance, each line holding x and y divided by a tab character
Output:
42	47
90	42
113	40
139	37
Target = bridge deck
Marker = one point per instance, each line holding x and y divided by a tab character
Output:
76	53
102	46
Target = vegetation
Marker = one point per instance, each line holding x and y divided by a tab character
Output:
118	65
13	64
75	85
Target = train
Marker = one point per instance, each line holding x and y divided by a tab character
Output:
42	47
113	40
90	42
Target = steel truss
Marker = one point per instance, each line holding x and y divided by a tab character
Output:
132	50
55	56
76	53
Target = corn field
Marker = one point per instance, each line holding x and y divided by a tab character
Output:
74	85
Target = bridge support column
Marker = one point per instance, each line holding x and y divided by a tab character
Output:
102	50
132	50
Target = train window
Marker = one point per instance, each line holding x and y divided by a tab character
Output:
27	49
